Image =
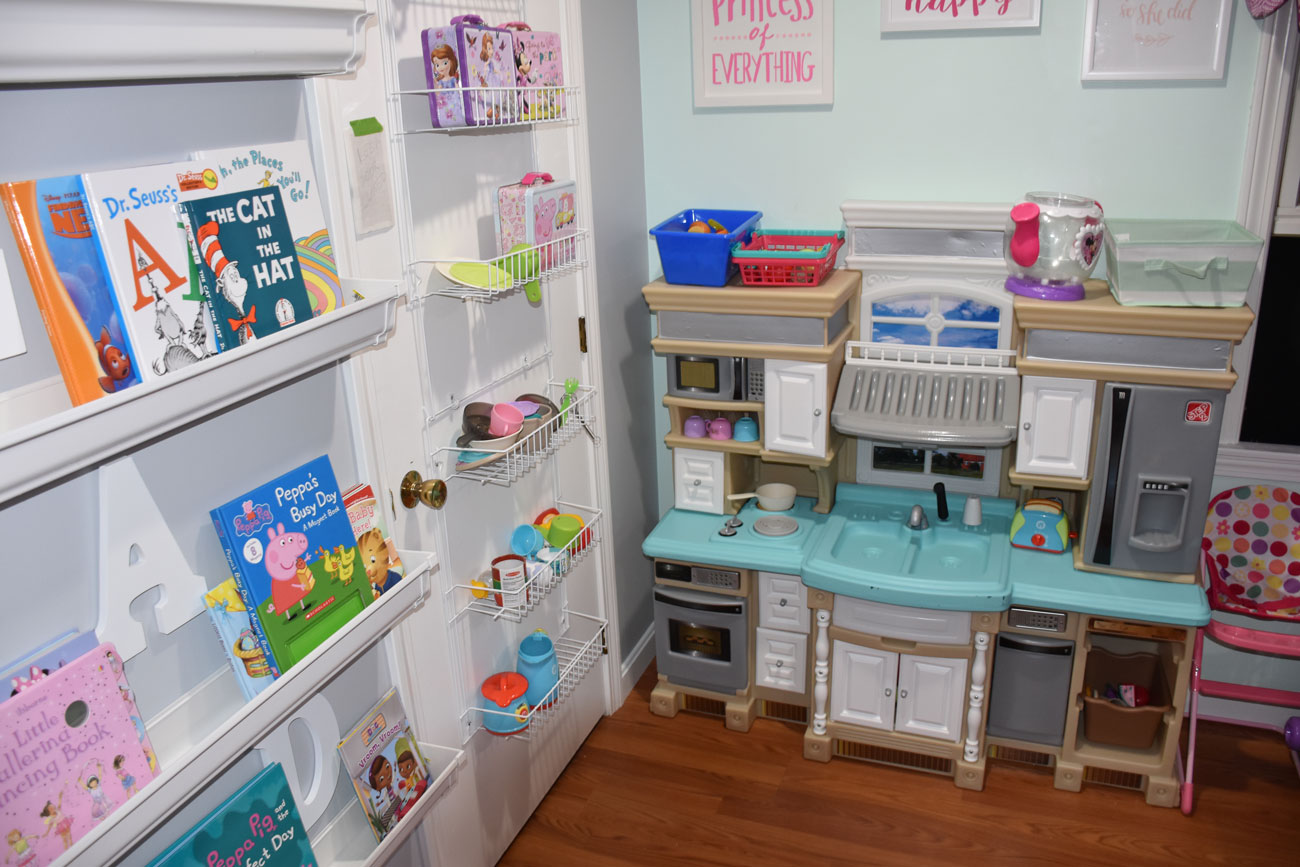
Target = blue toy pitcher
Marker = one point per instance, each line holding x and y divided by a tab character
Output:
537	662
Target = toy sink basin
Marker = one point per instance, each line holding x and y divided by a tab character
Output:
865	550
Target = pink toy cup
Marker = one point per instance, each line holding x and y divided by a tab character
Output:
719	429
506	420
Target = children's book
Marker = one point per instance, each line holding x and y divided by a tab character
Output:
378	553
73	750
145	248
229	615
258	826
57	237
247	265
288	166
383	758
292	552
22	673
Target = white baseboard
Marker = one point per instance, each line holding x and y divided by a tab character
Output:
636	662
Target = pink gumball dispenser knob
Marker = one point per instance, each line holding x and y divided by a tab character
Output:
1024	242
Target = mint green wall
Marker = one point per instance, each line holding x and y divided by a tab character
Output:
966	116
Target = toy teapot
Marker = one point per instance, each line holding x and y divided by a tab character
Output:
1051	245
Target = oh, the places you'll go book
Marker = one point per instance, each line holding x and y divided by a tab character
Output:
384	760
247	264
286	165
258	826
292	553
72	750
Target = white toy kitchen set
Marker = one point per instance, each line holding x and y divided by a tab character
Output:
1002	475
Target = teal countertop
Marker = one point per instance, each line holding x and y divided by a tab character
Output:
1031	578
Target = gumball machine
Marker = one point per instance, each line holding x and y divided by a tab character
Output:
1051	245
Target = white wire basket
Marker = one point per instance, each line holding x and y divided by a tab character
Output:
499	107
489	279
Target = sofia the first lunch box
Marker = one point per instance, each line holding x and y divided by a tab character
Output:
470	70
537	210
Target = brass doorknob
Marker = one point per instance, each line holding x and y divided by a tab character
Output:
432	493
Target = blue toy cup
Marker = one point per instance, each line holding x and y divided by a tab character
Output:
538	663
527	540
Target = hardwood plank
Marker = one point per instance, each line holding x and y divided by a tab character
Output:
645	790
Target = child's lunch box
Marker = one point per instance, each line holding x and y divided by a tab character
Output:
442	66
535	211
476	60
539	72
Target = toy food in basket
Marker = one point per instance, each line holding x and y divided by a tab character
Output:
702	258
787	257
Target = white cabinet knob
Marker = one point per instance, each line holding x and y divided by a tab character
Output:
817	412
779	663
782	603
902	693
1026	425
696	483
888	692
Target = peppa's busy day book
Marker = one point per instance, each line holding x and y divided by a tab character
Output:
57	238
22	673
229	615
74	750
165	312
247	264
383	759
291	549
257	826
378	553
286	165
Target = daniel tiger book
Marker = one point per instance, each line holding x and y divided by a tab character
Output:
293	556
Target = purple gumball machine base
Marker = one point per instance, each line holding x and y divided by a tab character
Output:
1045	291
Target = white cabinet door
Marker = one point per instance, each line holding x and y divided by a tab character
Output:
794	407
697	478
862	685
780	658
1055	426
782	602
931	696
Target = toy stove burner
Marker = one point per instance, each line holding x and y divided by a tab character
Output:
775	525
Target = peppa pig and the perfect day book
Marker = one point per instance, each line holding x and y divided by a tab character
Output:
291	549
72	750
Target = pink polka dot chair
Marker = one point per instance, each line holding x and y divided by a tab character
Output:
1251	563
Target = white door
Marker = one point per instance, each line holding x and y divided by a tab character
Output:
780	658
794	407
931	696
1055	426
782	602
862	685
697	476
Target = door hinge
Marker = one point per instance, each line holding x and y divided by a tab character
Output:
582	333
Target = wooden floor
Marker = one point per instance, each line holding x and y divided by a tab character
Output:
654	791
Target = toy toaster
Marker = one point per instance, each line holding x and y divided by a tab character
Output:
1041	525
537	210
539	72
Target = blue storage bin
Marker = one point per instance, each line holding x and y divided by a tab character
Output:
697	258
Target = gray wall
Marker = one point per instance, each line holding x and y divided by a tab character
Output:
613	91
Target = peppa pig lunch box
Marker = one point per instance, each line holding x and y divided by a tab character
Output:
535	211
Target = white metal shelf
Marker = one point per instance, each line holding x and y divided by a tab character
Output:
506	466
348	843
576	655
204	761
543	261
503	107
515	604
84	436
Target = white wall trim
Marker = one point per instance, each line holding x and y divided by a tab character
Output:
635	665
32	402
1259	463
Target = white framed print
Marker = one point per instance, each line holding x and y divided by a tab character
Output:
901	15
753	54
1136	40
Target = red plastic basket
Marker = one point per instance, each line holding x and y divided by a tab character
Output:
787	257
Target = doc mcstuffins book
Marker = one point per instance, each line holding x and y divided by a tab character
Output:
257	826
72	750
379	555
247	264
383	759
229	615
286	165
60	246
291	550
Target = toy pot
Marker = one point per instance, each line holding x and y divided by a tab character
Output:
505	710
719	429
772	497
1051	244
694	427
537	662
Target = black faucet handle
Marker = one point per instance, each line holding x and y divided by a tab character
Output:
941	496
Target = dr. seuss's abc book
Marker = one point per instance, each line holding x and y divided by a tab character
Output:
247	265
72	750
57	237
286	165
258	826
383	759
378	553
292	552
148	259
234	627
